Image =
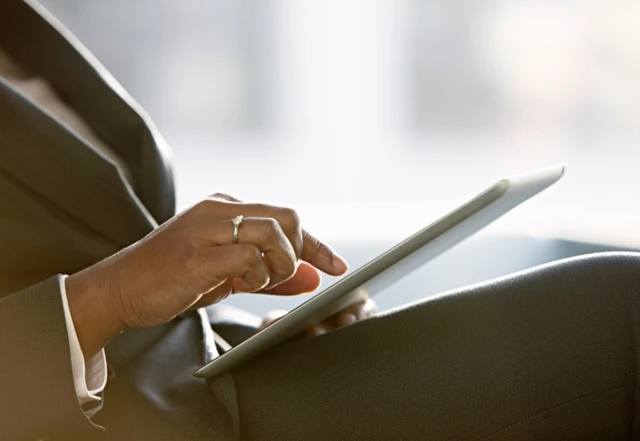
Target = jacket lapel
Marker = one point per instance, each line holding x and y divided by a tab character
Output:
33	37
59	168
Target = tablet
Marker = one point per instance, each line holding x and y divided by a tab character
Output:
390	266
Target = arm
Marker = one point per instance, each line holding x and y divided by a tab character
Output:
191	261
37	394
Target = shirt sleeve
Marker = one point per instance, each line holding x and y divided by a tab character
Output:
90	377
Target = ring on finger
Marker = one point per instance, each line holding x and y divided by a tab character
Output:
237	221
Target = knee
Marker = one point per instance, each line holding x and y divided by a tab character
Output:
615	269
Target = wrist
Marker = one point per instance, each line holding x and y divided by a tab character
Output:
93	305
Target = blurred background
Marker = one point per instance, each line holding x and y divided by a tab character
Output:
375	117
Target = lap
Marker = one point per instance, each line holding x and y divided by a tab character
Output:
154	396
544	354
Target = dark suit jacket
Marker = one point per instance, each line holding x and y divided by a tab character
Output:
62	208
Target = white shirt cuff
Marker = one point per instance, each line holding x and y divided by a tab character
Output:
90	377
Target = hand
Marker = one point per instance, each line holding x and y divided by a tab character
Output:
352	314
190	261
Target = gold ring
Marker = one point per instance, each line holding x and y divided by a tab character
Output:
236	226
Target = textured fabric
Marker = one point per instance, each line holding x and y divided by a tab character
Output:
550	354
37	396
156	397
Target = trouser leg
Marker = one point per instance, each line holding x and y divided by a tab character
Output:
545	354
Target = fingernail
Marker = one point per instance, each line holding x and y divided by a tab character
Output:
339	263
347	319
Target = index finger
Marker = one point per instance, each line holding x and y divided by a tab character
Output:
322	256
310	250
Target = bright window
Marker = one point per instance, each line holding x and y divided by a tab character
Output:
361	111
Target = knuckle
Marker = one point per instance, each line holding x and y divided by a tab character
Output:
257	279
252	256
196	269
222	196
200	207
289	270
285	269
270	226
207	206
262	279
291	218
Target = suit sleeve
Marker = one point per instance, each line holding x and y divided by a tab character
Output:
37	394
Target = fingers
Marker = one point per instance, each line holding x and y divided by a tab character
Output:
316	330
306	247
242	262
225	206
267	234
352	314
345	318
306	279
216	295
264	233
361	310
321	256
